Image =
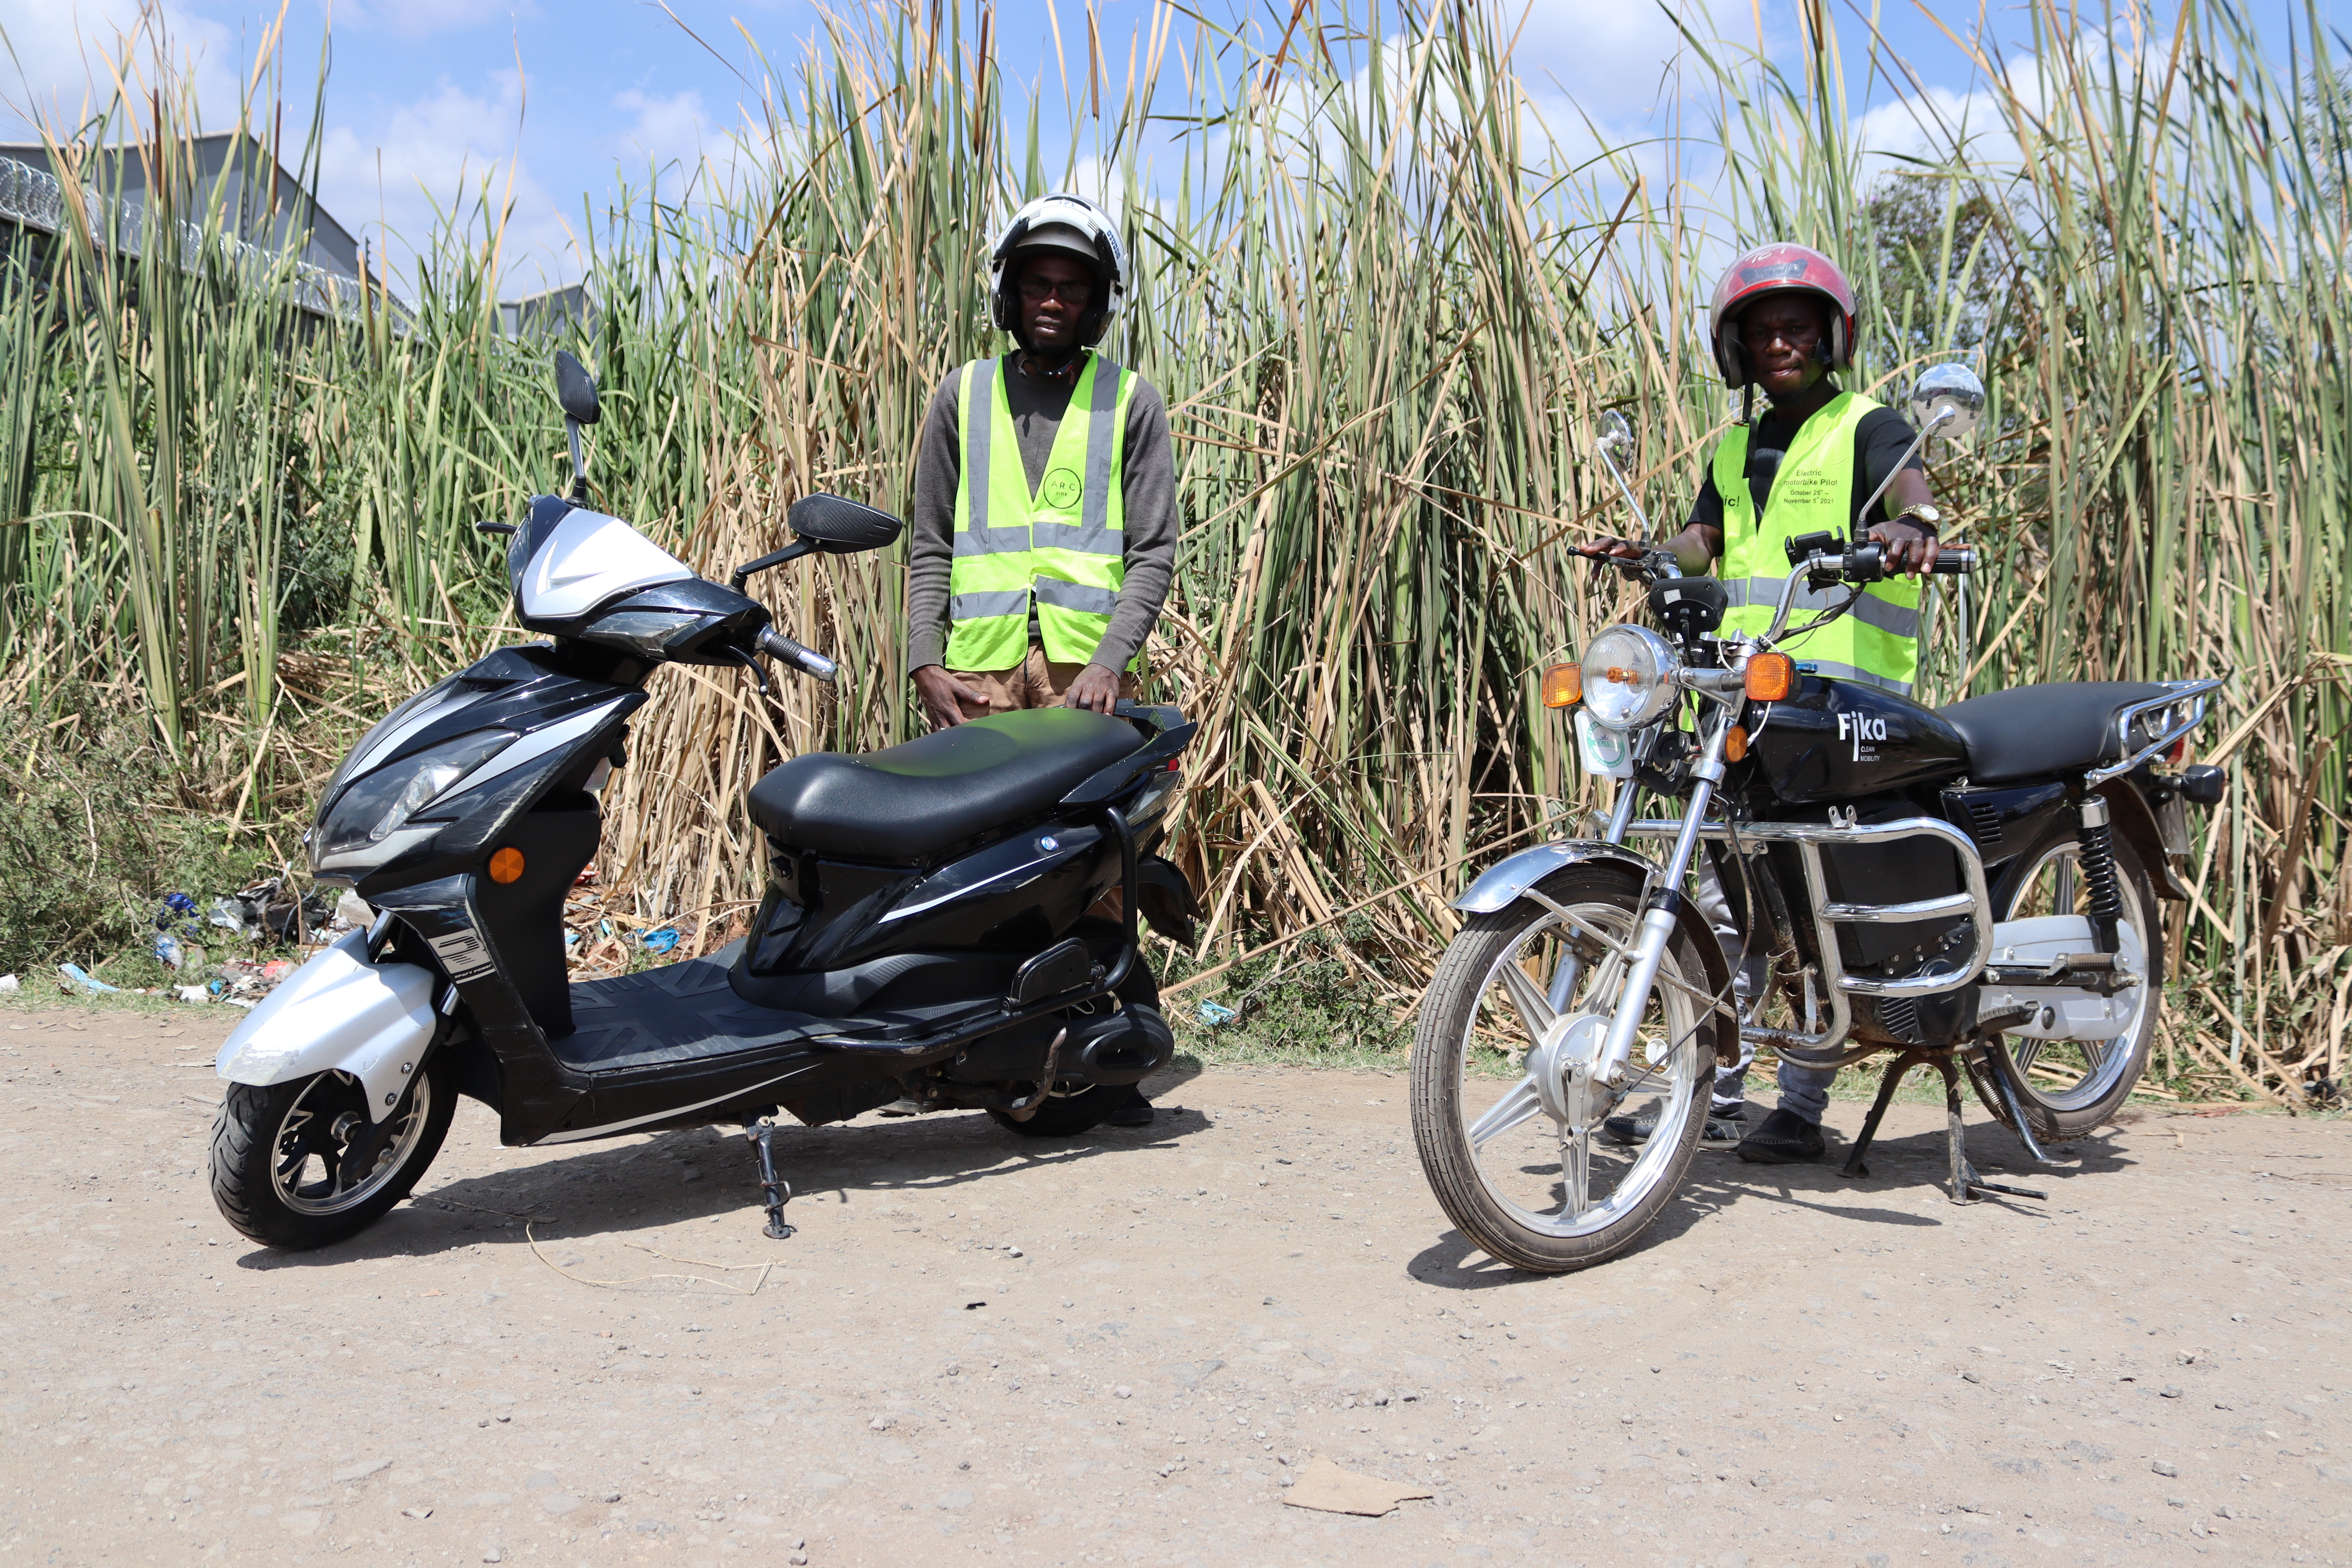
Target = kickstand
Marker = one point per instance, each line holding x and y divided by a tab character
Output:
1965	1182
774	1188
1895	1069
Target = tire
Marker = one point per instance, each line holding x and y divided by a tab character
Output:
2103	1077
1068	1115
1498	1188
268	1141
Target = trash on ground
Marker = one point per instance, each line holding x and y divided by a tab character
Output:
176	907
353	911
9	982
1324	1485
193	992
660	941
77	975
1216	1014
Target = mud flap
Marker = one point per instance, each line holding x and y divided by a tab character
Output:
1165	898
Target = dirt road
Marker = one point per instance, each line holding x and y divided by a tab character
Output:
1127	1347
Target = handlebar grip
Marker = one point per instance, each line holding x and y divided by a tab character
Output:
1955	561
776	645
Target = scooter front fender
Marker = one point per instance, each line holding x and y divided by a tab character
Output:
338	1012
1506	881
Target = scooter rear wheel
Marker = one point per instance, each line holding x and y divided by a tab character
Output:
299	1166
1068	1115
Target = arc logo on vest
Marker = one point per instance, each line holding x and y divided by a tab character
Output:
1063	487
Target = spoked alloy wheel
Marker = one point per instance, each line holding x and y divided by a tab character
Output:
2068	1087
1519	1164
301	1164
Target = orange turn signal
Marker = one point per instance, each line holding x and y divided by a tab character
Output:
1563	686
506	866
1770	677
1734	743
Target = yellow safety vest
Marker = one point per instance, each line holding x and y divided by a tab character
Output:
1878	639
1064	543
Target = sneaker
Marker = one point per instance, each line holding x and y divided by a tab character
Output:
1785	1139
1721	1131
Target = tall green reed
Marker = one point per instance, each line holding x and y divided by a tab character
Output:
1384	306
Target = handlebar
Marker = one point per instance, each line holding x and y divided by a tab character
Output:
777	646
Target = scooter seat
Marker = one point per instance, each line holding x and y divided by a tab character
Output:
905	804
2030	732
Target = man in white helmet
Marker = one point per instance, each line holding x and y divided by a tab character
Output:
1044	518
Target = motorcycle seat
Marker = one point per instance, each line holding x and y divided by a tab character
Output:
2032	731
905	804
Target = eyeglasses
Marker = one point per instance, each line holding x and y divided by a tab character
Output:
1037	291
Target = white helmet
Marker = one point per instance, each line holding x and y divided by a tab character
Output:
1073	226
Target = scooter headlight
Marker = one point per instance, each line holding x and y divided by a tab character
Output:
1629	676
378	804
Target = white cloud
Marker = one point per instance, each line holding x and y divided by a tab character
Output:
423	18
448	158
60	72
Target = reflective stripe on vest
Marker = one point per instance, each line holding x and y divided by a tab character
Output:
1064	543
1878	639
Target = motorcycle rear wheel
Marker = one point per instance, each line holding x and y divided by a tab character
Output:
2068	1089
1498	1162
279	1154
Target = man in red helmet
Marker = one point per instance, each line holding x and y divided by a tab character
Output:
1783	320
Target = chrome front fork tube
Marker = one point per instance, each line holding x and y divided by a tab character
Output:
1657	927
1564	976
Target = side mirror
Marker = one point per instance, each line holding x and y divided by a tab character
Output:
1948	400
1615	434
840	526
575	389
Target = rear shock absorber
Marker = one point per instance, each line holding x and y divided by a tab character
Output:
2097	862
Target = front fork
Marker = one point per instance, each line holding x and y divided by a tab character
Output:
1648	950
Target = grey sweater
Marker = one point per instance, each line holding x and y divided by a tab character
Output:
1147	491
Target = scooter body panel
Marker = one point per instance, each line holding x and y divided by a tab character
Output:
338	1012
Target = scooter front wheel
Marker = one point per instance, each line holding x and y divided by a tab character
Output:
1529	1187
300	1166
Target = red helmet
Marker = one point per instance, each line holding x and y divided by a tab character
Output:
1780	269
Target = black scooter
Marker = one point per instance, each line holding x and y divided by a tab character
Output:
925	935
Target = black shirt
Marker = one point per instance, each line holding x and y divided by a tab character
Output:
1878	444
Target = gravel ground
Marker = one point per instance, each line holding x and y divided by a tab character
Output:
1124	1348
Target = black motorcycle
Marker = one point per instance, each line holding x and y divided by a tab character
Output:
1972	888
926	932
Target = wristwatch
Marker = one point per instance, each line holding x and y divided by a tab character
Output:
1926	512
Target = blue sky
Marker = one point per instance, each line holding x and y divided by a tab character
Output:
426	99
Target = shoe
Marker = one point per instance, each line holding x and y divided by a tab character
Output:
1721	1131
1136	1113
1785	1139
901	1107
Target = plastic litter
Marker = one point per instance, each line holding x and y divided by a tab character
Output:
1216	1014
352	908
192	993
9	982
660	941
176	907
167	949
231	915
76	974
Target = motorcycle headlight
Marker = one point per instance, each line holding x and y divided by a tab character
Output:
378	804
1629	676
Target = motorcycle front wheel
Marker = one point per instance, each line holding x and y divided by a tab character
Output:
300	1166
2067	1088
1530	1190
